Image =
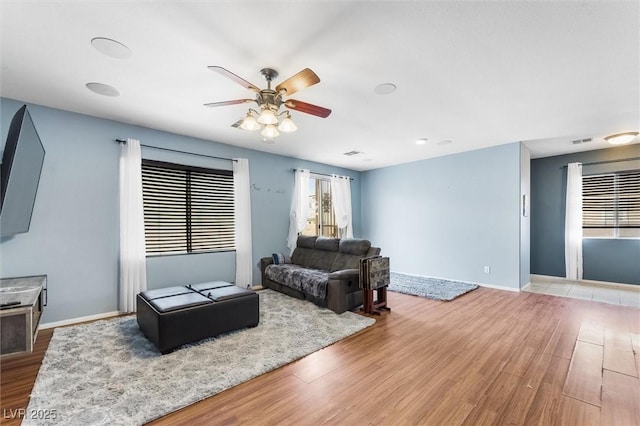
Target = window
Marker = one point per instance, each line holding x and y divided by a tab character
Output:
611	205
322	223
187	209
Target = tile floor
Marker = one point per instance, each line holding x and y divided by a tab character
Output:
623	295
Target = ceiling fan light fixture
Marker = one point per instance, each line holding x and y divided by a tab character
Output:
250	123
287	125
270	131
621	138
267	117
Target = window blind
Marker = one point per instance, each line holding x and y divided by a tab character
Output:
611	200
187	209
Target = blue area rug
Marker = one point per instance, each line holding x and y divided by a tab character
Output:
431	288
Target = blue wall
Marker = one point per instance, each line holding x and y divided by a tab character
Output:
445	217
613	260
74	229
450	216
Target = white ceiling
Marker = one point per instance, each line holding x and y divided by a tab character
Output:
476	73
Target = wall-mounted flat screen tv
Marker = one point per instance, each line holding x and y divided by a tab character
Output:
22	160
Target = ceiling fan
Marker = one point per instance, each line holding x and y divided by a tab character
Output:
270	100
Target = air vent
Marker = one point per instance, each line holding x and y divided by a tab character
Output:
352	153
578	141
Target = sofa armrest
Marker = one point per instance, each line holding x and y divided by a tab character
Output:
345	274
343	289
264	262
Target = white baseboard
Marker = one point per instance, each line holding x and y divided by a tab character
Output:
633	287
499	287
78	320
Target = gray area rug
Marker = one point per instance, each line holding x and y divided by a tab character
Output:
108	373
431	288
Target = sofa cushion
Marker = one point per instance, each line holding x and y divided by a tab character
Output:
304	249
324	254
350	252
306	241
309	281
355	246
327	244
345	261
302	256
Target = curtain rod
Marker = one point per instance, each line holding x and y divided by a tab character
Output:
180	152
319	174
608	161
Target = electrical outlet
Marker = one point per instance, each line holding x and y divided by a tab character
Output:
487	269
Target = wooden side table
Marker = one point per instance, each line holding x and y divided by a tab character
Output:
375	307
374	275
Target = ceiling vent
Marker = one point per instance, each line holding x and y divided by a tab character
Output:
579	141
352	153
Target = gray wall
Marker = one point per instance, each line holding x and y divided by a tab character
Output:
74	230
613	260
450	216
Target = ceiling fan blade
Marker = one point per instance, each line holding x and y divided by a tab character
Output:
308	108
241	81
304	78
234	102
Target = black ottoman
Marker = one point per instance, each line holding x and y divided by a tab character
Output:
173	316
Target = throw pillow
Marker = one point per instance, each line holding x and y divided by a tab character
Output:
279	258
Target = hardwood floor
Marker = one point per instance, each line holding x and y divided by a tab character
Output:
488	357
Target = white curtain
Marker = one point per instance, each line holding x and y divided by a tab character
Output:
242	215
299	212
133	272
573	223
341	199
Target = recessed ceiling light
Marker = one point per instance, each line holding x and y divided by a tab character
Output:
110	47
621	138
421	141
103	89
385	88
445	142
